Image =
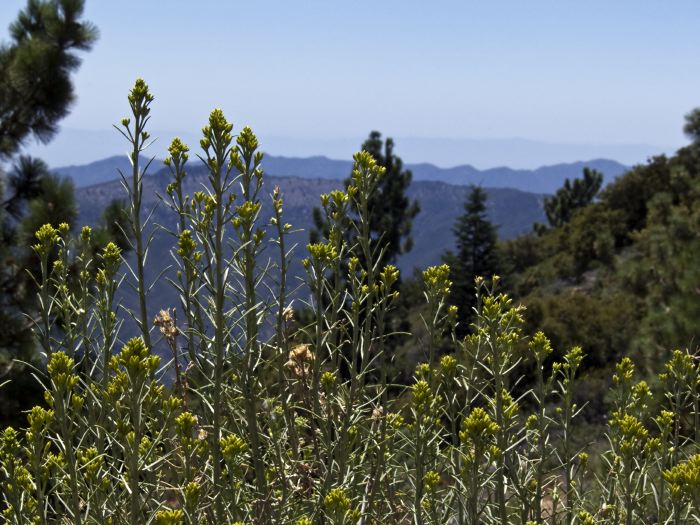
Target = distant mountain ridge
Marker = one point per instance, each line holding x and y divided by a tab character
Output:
546	179
513	210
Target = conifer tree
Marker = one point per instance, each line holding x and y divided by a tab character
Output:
476	255
391	210
574	195
36	92
692	125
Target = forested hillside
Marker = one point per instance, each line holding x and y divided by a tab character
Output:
621	278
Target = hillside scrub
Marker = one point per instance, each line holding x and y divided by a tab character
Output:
620	277
258	428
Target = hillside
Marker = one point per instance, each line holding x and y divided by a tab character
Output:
621	278
546	179
513	210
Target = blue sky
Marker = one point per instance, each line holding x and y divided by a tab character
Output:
593	72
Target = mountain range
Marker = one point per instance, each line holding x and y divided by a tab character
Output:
546	179
513	210
441	194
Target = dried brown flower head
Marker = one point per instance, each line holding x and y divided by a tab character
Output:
166	323
300	359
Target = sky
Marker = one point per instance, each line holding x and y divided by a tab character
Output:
319	73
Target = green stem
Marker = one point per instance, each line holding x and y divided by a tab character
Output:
136	196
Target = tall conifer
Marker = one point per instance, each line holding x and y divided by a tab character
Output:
476	255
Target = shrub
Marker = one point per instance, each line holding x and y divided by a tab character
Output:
258	428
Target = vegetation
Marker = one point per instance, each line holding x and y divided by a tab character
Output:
258	428
618	276
573	195
390	211
476	255
36	92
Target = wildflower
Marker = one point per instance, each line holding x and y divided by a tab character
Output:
60	369
680	367
422	370
178	152
248	211
136	358
448	365
186	245
169	517
431	479
47	236
624	370
39	418
665	421
478	426
185	424
632	431
388	277
436	279
325	253
531	422
540	346
328	381
232	446
684	479
140	98
111	259
337	501
247	139
192	492
422	395
586	519
583	459
90	462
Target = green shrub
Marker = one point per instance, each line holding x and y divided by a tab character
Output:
259	429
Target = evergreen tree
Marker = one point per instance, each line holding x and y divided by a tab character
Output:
560	207
391	211
36	92
692	125
476	255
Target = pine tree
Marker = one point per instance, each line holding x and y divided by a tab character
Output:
391	210
692	125
476	255
574	195
36	92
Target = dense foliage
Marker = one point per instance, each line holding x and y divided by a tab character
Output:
257	428
36	92
619	277
573	195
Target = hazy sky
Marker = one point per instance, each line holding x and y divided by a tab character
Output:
593	72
